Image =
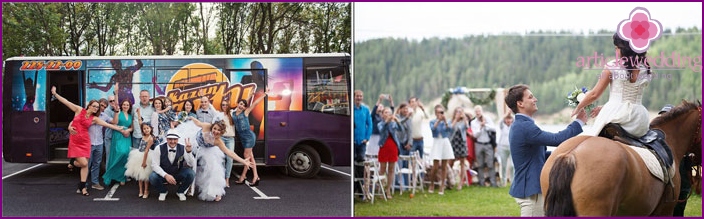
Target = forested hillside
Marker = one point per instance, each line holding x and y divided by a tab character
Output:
113	29
548	62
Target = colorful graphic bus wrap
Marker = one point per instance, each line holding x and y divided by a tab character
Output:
303	123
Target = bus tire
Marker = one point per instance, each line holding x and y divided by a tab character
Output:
303	162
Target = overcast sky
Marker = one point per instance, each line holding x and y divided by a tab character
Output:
425	20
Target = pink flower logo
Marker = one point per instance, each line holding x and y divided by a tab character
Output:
639	29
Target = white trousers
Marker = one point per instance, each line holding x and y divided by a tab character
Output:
532	206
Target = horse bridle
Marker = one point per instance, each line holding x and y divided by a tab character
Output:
698	134
697	139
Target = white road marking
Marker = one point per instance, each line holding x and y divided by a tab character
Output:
108	197
259	192
18	172
334	170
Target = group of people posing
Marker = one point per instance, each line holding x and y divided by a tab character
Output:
153	144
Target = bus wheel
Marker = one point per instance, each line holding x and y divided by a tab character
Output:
303	162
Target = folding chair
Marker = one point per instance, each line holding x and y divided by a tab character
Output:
359	180
413	171
371	175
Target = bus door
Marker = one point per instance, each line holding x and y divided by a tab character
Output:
257	118
24	132
68	85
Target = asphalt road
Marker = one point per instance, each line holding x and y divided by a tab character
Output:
49	190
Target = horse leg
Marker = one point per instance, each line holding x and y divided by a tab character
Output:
667	202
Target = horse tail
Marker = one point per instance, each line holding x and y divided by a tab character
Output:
558	200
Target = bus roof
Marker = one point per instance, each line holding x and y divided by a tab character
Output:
303	55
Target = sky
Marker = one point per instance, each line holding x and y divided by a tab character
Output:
425	20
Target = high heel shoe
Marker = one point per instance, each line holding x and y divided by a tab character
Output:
82	189
71	165
241	182
255	183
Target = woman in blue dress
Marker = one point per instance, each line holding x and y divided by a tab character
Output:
210	180
246	135
161	120
121	144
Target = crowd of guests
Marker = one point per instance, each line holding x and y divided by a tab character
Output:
141	142
383	132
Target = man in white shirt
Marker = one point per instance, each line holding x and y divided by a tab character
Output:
484	151
418	116
146	110
169	167
205	113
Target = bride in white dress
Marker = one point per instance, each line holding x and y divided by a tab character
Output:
210	152
628	76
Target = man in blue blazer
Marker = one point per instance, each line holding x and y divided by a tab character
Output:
528	147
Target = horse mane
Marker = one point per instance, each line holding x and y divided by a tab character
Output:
675	112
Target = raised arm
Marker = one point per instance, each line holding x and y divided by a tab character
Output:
73	107
163	110
104	88
137	66
138	115
99	121
116	93
200	124
595	93
540	137
251	107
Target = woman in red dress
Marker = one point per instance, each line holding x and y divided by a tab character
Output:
388	151
470	150
79	143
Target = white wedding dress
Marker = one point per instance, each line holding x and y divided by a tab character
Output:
210	172
625	103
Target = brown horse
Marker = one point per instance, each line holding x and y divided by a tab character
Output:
595	176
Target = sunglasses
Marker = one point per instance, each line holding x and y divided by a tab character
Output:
111	101
440	112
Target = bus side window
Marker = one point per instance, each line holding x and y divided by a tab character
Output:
326	90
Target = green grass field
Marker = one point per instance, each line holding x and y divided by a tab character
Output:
470	201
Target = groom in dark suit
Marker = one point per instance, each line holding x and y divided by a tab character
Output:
528	146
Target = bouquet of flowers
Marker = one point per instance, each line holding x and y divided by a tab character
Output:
182	116
576	96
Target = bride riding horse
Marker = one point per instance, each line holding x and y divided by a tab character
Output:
596	176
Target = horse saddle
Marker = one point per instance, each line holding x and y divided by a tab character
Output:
653	140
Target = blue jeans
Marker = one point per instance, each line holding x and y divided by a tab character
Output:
185	177
230	145
359	152
96	156
418	146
